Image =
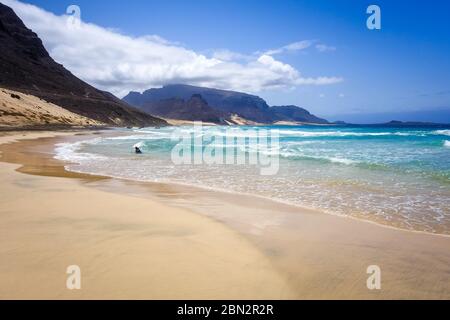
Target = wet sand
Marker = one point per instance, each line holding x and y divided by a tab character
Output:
127	248
147	240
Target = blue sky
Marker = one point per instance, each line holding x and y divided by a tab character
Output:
402	68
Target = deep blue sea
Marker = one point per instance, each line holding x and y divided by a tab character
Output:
398	176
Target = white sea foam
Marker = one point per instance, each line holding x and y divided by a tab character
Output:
442	132
292	153
341	160
71	152
140	144
252	132
327	174
331	159
299	133
139	137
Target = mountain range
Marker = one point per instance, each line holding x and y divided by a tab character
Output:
26	67
219	106
27	71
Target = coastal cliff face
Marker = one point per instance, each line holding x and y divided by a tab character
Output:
294	113
226	104
229	102
193	109
26	66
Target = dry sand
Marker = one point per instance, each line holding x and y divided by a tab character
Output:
143	240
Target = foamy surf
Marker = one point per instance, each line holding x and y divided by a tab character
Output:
442	132
71	152
140	144
398	177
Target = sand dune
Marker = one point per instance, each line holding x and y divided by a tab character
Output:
20	110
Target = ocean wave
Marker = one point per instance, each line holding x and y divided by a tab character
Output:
442	132
399	179
140	144
256	132
71	152
139	137
292	154
310	134
341	160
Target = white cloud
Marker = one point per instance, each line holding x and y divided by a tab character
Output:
323	47
295	46
341	95
120	63
228	55
299	46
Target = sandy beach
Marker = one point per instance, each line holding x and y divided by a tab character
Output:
126	247
157	241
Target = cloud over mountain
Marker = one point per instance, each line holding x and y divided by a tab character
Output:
120	63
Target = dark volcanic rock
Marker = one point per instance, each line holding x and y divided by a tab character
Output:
246	106
193	109
294	113
26	66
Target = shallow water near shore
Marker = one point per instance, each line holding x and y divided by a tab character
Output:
318	255
395	176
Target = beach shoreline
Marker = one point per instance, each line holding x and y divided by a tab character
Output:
127	248
305	254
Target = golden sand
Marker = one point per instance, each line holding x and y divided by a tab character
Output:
126	247
157	241
20	110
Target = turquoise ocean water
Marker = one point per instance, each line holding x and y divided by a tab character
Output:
393	176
